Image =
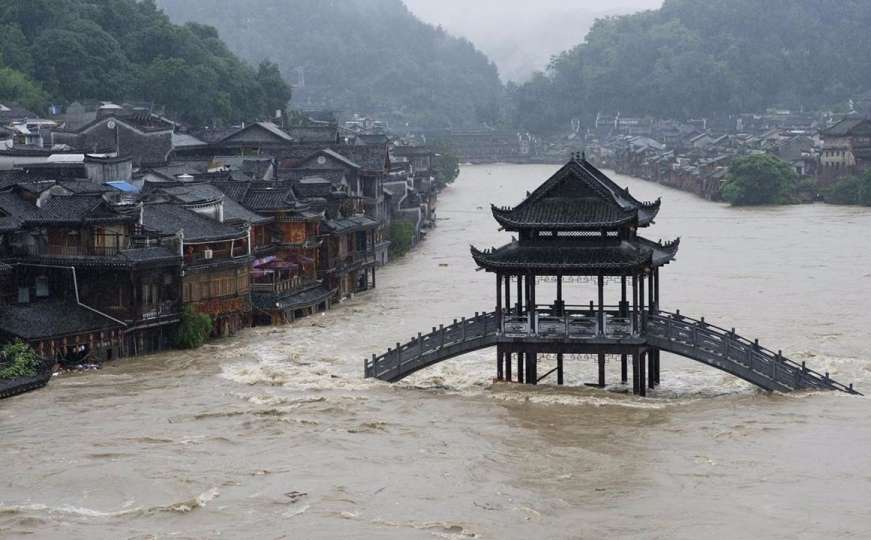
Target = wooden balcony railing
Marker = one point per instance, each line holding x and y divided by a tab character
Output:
284	286
164	309
74	251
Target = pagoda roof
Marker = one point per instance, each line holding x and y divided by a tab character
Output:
577	258
578	197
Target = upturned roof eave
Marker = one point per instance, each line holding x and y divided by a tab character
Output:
486	261
507	223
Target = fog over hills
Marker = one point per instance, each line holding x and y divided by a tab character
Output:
521	36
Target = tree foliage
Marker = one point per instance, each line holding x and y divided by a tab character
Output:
758	180
850	190
701	58
370	56
128	49
193	330
446	167
17	87
18	359
401	238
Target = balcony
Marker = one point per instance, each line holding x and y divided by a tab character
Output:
52	250
164	309
211	255
284	286
355	261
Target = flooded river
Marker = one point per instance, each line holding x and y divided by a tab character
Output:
274	434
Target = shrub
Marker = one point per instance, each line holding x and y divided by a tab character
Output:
850	190
20	361
401	238
194	329
446	168
758	180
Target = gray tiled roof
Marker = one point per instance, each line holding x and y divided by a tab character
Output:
169	219
351	224
51	319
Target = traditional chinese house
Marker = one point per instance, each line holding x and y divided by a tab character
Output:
216	259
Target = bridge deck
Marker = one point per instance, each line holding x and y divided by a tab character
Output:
670	332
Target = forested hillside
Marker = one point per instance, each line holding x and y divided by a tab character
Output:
699	57
66	50
359	56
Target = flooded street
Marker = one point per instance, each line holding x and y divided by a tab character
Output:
275	434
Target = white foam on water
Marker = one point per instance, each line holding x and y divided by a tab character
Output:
200	501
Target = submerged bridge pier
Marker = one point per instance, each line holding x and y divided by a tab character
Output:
580	230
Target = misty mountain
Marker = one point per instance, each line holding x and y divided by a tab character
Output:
701	58
521	37
359	56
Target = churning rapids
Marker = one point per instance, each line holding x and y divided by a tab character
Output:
274	434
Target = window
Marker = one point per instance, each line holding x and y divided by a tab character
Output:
42	287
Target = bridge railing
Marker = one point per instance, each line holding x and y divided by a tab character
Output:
407	357
733	347
573	322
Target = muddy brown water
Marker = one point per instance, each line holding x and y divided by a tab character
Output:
274	434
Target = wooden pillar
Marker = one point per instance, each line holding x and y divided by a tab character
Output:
499	301
560	373
531	302
500	364
651	369
601	305
623	308
521	377
519	295
507	295
532	368
657	304
559	294
657	354
636	362
642	376
624	375
601	371
651	291
507	360
641	301
635	326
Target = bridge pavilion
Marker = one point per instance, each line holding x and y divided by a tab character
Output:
578	226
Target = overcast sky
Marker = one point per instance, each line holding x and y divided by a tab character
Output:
522	35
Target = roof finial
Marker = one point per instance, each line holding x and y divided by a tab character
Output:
584	155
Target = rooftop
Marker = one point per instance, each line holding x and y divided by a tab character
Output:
578	197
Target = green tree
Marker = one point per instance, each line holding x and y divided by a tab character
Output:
80	60
854	190
758	180
14	49
277	92
17	87
446	167
401	238
193	330
18	359
128	49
